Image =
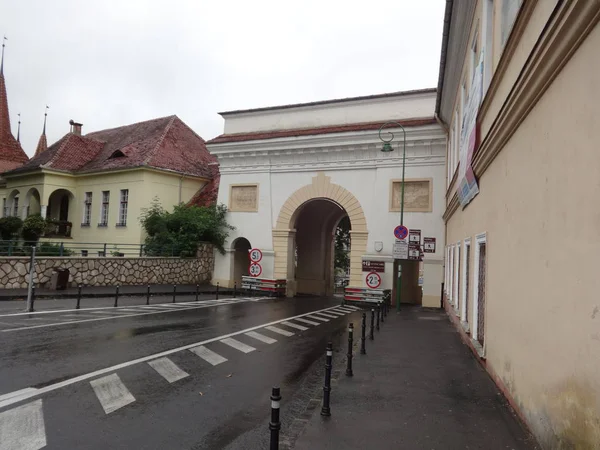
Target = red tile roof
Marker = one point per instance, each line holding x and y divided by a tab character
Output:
165	143
207	195
11	153
240	137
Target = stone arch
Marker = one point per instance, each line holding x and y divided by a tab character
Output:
33	201
240	259
10	204
284	231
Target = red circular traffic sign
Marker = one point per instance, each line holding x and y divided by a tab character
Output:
401	232
373	280
255	269
255	255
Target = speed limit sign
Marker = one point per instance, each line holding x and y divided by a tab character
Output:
255	269
255	255
373	280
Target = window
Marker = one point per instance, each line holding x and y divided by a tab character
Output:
479	290
87	209
451	278
16	207
456	281
104	209
465	281
123	208
509	12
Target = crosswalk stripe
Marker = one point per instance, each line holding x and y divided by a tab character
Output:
238	345
310	322
110	313
331	316
261	337
111	393
23	427
344	309
322	319
351	307
168	369
293	325
279	330
208	355
336	313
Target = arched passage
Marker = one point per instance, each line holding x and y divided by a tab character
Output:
60	212
33	202
292	215
241	259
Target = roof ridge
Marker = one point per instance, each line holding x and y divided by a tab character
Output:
128	125
152	152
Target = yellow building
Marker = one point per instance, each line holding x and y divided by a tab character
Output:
519	96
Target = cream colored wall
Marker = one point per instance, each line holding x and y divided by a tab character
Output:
538	204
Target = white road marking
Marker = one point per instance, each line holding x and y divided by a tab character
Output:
208	355
238	345
168	369
322	319
331	316
15	393
22	428
337	313
310	322
112	393
261	337
87	376
293	325
355	308
279	330
340	308
112	313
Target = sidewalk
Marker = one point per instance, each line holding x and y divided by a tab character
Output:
418	387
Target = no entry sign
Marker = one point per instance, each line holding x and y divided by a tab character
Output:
401	232
373	280
255	269
255	255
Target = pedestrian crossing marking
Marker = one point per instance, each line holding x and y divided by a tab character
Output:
208	355
293	325
261	337
310	322
238	345
322	319
112	393
336	313
279	330
23	427
331	316
168	369
344	309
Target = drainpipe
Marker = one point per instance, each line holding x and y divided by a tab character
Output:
180	187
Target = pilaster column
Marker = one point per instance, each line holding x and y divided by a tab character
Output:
43	210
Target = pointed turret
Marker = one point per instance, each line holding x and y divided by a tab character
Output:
42	143
11	153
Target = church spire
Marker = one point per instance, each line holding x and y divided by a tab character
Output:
19	129
2	61
42	143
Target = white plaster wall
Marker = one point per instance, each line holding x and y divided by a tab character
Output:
389	108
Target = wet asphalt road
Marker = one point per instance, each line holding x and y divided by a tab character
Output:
215	406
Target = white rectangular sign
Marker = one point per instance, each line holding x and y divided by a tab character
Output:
400	250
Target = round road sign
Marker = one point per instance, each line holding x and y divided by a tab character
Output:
373	280
255	255
401	232
255	269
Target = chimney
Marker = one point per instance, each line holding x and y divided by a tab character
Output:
75	127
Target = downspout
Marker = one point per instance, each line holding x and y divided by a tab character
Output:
180	188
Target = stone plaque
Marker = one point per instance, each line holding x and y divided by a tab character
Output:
244	198
417	196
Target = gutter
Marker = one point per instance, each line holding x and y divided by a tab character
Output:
443	56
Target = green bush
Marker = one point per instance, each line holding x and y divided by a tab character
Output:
51	249
33	228
9	227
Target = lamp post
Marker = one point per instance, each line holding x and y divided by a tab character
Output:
387	147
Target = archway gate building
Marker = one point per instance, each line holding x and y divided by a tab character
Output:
289	174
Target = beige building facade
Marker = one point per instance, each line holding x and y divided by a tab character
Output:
520	100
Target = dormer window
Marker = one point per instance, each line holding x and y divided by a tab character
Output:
117	154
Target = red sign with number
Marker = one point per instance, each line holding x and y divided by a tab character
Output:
373	280
255	269
255	255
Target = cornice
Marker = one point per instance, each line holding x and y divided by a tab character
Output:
451	208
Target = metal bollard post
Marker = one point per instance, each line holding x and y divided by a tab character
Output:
381	308
363	326
275	424
371	336
148	295
197	288
326	410
234	289
78	297
217	291
377	319
349	372
174	292
117	296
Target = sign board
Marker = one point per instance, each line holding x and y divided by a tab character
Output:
255	269
401	232
373	280
414	237
400	250
429	245
414	251
373	266
255	255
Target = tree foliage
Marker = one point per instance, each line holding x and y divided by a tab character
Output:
342	245
33	228
9	227
178	233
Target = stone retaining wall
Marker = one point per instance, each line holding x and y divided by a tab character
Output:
110	271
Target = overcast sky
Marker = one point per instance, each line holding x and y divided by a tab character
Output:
110	63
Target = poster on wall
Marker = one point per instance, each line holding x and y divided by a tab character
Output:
468	188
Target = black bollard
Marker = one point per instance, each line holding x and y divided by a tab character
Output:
174	292
148	295
377	317
234	289
217	291
275	424
78	297
116	297
363	326
349	372
326	410
381	308
371	335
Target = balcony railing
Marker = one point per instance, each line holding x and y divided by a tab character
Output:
58	228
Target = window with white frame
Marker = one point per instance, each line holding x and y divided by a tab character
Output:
456	281
451	280
15	212
508	14
446	270
104	208
479	289
87	209
466	265
123	205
